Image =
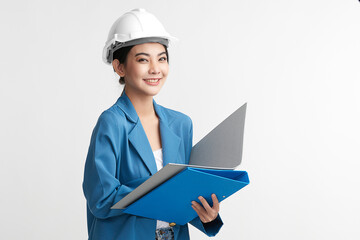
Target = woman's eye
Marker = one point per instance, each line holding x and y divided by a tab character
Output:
142	60
162	59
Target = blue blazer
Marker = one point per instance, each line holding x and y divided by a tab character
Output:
120	158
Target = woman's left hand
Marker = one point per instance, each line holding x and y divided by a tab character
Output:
205	212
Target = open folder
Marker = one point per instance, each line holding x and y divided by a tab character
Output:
167	195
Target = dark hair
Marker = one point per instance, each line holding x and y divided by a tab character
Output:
121	55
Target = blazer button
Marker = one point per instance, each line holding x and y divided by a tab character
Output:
172	224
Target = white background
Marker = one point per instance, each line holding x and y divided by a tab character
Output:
296	63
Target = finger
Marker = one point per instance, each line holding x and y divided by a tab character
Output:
205	204
199	208
203	214
211	213
206	216
216	204
200	211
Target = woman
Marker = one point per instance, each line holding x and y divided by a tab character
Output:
136	137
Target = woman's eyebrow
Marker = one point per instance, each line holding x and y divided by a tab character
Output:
148	55
141	53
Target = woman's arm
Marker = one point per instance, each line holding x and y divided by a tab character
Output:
101	188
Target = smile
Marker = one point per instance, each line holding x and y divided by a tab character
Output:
152	81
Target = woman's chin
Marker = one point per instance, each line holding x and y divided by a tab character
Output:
153	90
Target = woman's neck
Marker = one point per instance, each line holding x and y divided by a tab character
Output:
143	105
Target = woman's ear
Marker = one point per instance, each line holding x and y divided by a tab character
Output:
118	67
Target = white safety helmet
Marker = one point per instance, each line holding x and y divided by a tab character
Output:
135	27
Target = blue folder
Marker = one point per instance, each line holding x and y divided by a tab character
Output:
171	201
167	195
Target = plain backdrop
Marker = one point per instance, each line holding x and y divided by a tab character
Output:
296	64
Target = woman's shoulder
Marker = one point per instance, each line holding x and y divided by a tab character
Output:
113	115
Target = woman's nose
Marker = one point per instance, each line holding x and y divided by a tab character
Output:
154	68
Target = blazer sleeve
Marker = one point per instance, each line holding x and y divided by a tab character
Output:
101	188
212	228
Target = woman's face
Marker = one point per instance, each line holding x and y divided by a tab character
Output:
146	69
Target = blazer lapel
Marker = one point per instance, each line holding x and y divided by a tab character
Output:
170	144
137	136
169	140
140	142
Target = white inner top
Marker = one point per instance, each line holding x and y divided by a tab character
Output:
159	165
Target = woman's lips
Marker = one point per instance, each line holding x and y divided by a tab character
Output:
152	81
